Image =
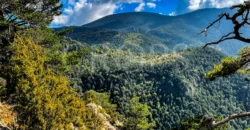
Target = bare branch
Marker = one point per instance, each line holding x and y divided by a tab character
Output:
210	122
212	24
236	6
243	11
230	117
224	38
246	18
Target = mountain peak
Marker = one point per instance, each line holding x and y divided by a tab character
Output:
128	19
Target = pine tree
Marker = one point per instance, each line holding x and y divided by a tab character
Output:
138	113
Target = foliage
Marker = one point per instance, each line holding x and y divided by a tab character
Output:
134	42
230	65
150	91
137	116
43	99
43	36
28	12
18	15
32	68
174	87
185	94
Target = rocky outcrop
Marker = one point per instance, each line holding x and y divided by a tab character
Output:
7	117
103	116
3	82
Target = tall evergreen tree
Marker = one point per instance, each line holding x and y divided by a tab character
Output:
19	15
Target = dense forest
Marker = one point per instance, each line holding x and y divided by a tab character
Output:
81	78
172	85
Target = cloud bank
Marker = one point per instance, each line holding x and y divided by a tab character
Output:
197	4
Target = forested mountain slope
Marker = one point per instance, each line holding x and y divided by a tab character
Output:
172	85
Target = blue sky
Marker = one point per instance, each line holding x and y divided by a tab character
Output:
80	12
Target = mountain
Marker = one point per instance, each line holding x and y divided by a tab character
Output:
131	71
168	76
126	21
169	31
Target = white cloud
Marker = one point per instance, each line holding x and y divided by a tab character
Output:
224	3
79	12
198	4
151	5
84	12
69	11
62	19
140	7
194	4
71	2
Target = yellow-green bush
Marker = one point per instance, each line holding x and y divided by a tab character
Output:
42	98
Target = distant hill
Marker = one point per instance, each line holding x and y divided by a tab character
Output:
157	29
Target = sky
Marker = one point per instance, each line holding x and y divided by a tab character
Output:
80	12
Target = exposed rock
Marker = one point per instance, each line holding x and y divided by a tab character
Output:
3	82
7	117
103	116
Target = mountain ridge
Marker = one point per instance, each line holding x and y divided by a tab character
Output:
163	17
173	31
